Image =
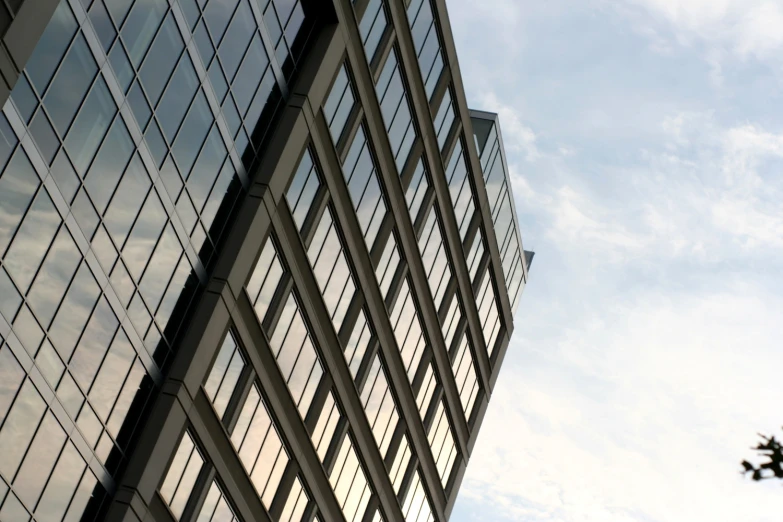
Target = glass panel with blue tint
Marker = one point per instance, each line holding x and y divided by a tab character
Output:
444	119
218	14
237	38
119	10
206	169
18	184
32	240
24	98
103	25
106	171
139	105
91	124
249	75
191	137
141	26
372	27
44	136
161	60
122	67
51	47
144	235
339	103
70	85
127	201
55	275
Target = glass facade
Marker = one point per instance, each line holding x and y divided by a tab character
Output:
158	255
504	217
126	144
426	42
396	110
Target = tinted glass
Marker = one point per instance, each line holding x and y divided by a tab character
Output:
67	310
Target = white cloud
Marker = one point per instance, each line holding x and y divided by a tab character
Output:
747	27
584	225
517	137
707	190
659	432
646	347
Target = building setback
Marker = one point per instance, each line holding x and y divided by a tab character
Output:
258	261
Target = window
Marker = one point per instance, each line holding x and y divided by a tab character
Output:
435	259
372	27
216	507
358	344
266	278
339	103
425	40
408	330
364	186
350	482
417	190
98	241
331	269
415	505
296	356
181	476
442	444
461	190
303	189
259	446
378	401
488	311
388	265
444	119
465	375
223	377
396	110
398	468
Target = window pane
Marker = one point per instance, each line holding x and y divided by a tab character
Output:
40	459
51	47
19	428
61	486
224	376
32	240
18	184
90	126
161	60
70	85
177	99
181	476
141	26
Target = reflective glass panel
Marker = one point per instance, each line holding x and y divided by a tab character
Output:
181	476
223	377
349	482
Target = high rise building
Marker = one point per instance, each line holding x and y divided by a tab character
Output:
258	261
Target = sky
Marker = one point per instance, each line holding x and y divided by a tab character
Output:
645	143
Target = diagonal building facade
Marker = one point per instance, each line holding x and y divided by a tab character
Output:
258	261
